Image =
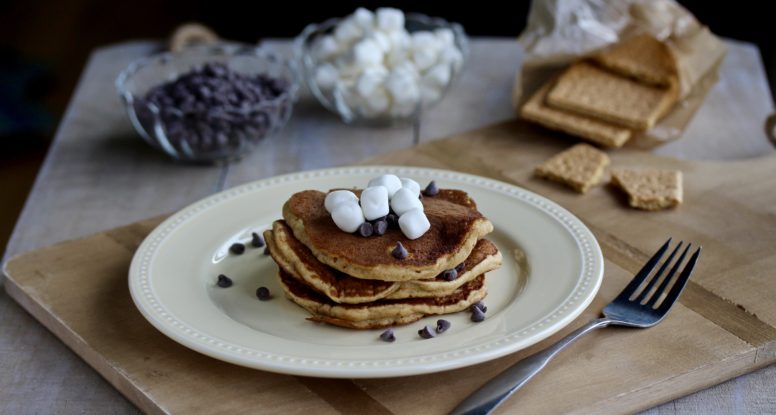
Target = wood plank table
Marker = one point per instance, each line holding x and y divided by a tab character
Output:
98	175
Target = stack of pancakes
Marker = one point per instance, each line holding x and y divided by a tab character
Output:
353	281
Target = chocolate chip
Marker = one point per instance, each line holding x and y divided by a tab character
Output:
380	227
388	336
263	294
477	315
237	248
392	220
459	267
431	189
481	305
450	275
399	252
442	326
212	108
427	332
224	281
266	250
256	240
365	229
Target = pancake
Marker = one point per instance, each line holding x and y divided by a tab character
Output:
381	313
456	226
291	254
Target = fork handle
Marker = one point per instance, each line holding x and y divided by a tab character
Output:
501	387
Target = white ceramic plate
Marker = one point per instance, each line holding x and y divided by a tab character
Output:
173	273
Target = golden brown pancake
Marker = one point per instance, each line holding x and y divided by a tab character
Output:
381	313
291	254
456	226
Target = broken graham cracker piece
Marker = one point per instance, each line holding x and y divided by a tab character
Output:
649	189
579	167
641	57
589	90
593	130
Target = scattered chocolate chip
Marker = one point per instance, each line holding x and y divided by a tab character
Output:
388	336
263	293
237	248
399	252
481	305
266	250
380	227
365	229
450	275
224	281
442	326
392	220
459	267
477	315
427	332
378	219
256	240
431	189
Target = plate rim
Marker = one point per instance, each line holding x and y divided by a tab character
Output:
586	287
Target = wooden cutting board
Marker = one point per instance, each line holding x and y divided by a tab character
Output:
725	324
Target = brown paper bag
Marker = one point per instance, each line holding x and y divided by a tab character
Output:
559	32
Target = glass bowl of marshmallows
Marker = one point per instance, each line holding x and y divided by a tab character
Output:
381	67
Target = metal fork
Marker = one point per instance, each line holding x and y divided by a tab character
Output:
639	305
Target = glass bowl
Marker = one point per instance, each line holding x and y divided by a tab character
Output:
342	98
202	126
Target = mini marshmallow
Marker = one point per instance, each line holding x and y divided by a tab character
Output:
407	183
347	216
377	102
445	36
327	47
389	181
414	223
400	39
405	200
364	18
424	58
339	197
403	88
451	55
425	40
390	19
326	76
347	31
438	75
370	80
382	41
367	53
374	202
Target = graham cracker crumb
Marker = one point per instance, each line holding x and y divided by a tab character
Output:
579	167
650	189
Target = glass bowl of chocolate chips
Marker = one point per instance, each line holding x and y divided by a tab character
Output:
209	103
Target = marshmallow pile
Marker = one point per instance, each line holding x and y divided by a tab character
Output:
383	194
373	64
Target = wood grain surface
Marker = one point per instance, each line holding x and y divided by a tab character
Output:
724	326
99	175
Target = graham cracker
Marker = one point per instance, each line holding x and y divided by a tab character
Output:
589	90
650	189
642	57
579	167
593	130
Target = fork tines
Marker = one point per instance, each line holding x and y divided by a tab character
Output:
659	290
